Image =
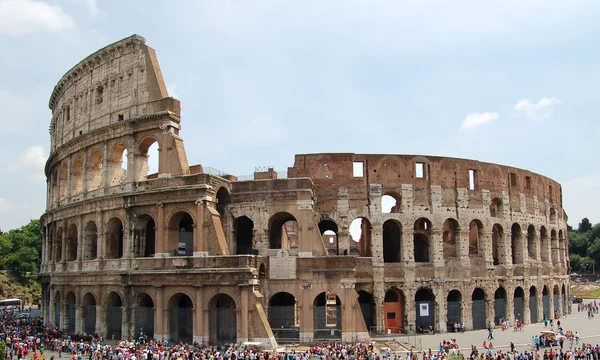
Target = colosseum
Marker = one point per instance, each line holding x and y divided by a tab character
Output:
341	247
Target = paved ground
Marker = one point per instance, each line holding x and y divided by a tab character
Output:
588	329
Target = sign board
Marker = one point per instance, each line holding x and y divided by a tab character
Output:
282	266
424	309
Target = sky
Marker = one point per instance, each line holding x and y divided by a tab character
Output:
513	82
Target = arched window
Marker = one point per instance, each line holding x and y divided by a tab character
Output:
117	165
392	241
516	238
360	233
451	232
421	240
531	242
496	208
244	234
114	239
390	203
475	236
147	161
283	231
90	242
94	174
544	245
498	244
329	229
144	236
72	243
77	177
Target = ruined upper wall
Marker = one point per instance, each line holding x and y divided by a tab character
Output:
119	82
330	171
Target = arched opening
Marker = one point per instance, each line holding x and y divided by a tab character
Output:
283	231
89	314
516	241
544	245
329	235
114	316
451	232
546	302
327	317
367	307
392	241
564	300
475	237
284	317
148	159
223	320
64	180
390	203
244	234
54	190
532	242
57	310
77	177
556	293
499	305
454	309
114	239
496	208
144	236
222	201
360	233
533	306
393	308
518	303
59	245
117	165
70	312
561	248
72	243
554	244
479	309
94	174
262	272
421	236
144	316
181	318
90	241
498	244
425	308
181	234
552	214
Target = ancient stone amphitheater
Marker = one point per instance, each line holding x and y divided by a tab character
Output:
342	247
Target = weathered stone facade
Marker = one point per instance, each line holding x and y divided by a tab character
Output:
189	255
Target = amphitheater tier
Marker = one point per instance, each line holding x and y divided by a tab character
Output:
344	247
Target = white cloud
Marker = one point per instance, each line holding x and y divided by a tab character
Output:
91	5
539	110
172	90
20	17
476	119
32	162
581	196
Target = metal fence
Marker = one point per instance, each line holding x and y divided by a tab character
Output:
479	321
114	317
283	323
181	324
57	315
322	330
223	325
533	310
518	307
144	320
556	303
89	315
546	305
454	314
499	310
71	317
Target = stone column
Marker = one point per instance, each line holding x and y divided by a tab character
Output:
505	255
69	180
199	227
80	241
243	333
159	322
84	172
467	313
436	248
526	311
441	313
551	301
105	163
510	305
198	315
78	314
52	307
378	298
408	246
161	232
100	312
462	248
411	310
306	313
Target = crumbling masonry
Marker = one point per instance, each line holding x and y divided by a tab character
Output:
344	247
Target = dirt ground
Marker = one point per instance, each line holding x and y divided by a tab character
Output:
586	290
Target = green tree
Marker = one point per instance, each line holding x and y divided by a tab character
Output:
21	249
578	243
585	225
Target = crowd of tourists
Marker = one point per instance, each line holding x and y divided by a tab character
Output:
591	308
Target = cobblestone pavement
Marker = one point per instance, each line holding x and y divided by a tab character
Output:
589	329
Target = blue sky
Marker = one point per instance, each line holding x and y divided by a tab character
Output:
511	82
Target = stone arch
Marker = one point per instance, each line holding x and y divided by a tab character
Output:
499	305
564	300
476	245
361	236
283	231
454	309
90	241
114	238
546	302
284	316
144	315
54	189
222	200
425	308
562	249
244	235
555	246
479	309
117	167
516	241
497	208
450	236
71	302
94	171
393	307
519	303
57	309
556	298
223	319
532	249
329	234
552	214
143	162
181	234
262	272
498	244
544	245
77	176
422	240
72	243
327	312
59	245
391	202
144	236
64	180
180	318
114	315
367	307
533	305
392	241
89	313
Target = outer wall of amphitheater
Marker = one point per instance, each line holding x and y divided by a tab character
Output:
344	247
